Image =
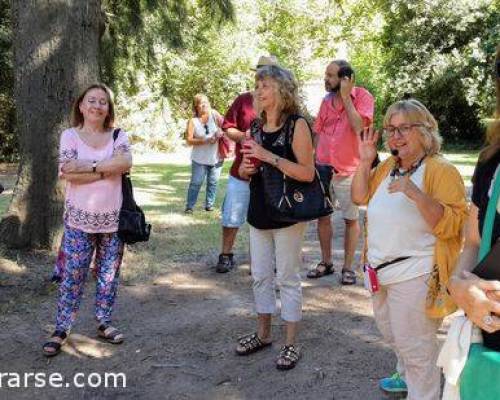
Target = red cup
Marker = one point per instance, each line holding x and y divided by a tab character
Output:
246	145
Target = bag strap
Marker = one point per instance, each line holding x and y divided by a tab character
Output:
290	130
489	219
115	134
128	201
218	119
386	264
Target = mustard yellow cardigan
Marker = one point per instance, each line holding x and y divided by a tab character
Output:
443	183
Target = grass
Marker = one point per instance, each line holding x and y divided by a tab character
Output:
465	162
178	239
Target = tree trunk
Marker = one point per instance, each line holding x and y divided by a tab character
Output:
56	47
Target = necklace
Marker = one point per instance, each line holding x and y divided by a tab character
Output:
397	172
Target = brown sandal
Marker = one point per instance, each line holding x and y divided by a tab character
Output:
318	272
251	344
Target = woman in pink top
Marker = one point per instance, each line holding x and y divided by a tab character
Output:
91	162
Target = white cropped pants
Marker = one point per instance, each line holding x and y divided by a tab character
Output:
280	248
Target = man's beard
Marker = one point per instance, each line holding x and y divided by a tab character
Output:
332	90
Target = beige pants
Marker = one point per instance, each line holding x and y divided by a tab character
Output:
400	316
281	248
340	187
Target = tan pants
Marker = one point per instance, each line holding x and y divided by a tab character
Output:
400	316
280	248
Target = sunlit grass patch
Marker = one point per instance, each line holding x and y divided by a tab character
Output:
178	238
160	189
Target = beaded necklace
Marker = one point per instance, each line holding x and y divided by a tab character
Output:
397	172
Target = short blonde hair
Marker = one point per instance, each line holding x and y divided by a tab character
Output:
287	91
416	113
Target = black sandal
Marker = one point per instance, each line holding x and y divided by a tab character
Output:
251	344
348	277
318	273
56	346
114	336
289	354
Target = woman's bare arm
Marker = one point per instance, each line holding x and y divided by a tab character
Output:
474	295
303	169
85	177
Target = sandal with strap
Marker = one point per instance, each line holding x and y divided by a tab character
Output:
54	345
322	269
348	277
288	357
251	344
110	334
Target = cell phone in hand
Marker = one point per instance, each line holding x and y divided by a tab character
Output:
345	72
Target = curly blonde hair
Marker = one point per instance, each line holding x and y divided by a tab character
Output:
416	113
287	91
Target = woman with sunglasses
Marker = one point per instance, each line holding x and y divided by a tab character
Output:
415	213
203	133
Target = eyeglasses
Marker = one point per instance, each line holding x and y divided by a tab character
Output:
206	129
403	130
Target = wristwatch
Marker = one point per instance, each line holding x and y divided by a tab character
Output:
94	166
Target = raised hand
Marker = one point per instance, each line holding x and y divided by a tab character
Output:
367	145
346	85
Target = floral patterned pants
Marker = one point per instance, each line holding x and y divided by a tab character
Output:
78	248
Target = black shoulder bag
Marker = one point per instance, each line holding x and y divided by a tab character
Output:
132	226
291	200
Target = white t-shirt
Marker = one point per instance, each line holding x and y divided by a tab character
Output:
397	229
206	154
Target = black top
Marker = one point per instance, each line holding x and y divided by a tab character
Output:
259	215
482	182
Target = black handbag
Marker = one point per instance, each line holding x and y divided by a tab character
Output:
291	200
132	225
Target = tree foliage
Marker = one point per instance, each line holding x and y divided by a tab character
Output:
157	54
441	51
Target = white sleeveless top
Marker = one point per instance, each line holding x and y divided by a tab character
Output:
397	229
206	154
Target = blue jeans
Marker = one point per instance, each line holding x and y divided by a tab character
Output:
198	173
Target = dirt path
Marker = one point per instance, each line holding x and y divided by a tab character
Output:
181	331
